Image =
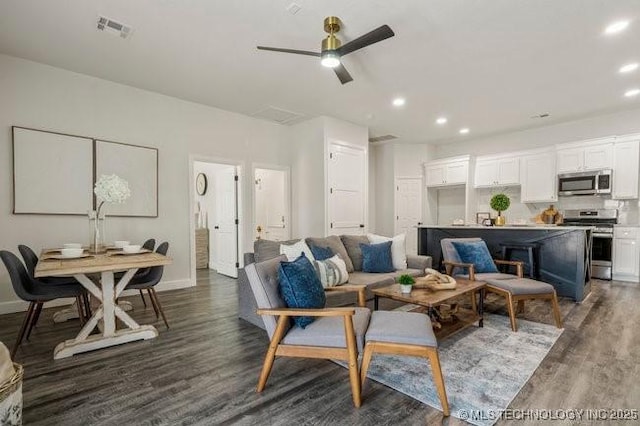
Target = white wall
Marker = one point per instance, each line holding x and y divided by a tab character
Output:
48	98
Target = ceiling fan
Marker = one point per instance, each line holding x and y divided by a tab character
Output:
332	49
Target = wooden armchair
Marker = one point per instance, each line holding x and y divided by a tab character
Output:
514	288
336	333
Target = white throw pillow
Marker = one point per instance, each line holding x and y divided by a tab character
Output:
332	271
294	251
398	249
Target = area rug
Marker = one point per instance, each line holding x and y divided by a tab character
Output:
483	368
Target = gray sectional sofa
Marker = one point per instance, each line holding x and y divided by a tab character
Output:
348	247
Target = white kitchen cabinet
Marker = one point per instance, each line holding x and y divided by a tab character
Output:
626	254
538	178
497	172
447	172
593	156
626	158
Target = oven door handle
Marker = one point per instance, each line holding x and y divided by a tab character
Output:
598	235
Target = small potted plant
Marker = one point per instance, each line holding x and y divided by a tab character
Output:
406	282
500	202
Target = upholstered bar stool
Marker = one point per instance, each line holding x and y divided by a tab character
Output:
404	333
532	249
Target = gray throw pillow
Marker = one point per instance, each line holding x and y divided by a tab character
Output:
335	244
352	244
267	249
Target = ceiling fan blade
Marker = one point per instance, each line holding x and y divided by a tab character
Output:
379	34
343	74
298	52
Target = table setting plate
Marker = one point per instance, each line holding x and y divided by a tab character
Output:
121	252
61	257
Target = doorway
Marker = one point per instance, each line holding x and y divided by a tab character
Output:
271	207
217	234
408	206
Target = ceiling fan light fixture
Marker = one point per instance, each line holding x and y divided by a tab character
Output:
330	59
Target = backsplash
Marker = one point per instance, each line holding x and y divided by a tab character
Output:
628	210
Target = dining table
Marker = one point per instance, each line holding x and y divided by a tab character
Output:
96	273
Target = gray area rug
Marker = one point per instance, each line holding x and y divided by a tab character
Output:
483	368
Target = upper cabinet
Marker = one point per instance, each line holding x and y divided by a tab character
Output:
501	171
538	177
626	156
585	156
446	172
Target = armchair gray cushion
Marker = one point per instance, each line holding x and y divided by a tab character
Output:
263	278
409	328
520	286
329	331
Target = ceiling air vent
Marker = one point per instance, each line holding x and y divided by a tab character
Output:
277	115
385	138
113	27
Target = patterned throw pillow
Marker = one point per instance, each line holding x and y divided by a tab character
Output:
293	251
301	288
377	257
332	271
476	252
321	253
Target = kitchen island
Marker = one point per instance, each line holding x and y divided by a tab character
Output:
564	254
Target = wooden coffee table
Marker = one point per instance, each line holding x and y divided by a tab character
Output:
432	299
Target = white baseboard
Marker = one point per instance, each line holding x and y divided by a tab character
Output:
21	306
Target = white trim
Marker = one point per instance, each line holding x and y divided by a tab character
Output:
240	166
288	193
21	306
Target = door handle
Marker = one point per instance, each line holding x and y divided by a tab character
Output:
216	227
419	223
361	225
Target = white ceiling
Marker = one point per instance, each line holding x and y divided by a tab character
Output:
487	65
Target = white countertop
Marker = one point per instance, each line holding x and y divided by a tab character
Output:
518	227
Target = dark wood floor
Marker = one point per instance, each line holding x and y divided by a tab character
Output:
204	369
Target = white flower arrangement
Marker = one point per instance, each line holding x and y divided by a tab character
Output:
112	189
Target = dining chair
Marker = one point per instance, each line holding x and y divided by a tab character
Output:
150	244
149	280
36	293
31	260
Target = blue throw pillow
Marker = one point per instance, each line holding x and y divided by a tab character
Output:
377	257
321	253
301	288
476	252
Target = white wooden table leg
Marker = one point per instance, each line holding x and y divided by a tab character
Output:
108	303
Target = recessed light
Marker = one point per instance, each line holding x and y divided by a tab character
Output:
616	27
631	93
399	102
441	120
464	131
628	68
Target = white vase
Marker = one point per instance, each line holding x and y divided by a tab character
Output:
404	288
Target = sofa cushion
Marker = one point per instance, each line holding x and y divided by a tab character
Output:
335	244
398	248
476	252
332	271
409	328
352	244
368	279
293	251
321	253
519	286
267	249
377	257
301	288
329	331
490	276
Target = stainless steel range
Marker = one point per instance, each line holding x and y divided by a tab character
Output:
602	246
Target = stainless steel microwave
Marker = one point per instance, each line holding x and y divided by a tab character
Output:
596	182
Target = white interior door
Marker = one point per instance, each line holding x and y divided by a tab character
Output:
408	208
346	198
272	204
226	227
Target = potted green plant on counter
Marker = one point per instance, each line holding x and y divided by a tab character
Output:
406	282
500	202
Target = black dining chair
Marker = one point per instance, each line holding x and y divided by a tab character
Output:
148	282
150	244
36	293
31	260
